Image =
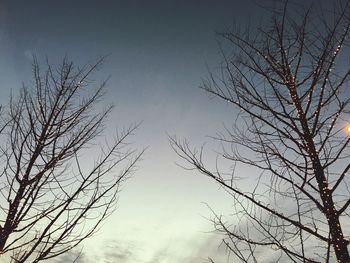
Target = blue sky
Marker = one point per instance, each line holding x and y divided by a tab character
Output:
158	53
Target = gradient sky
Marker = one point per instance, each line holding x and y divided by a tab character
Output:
157	56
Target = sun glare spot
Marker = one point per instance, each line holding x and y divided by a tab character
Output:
347	129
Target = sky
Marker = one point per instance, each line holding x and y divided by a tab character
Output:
158	52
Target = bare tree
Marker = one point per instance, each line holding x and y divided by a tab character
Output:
54	195
289	84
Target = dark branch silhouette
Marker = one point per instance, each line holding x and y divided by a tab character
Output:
289	84
51	199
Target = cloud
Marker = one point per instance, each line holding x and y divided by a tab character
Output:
117	253
194	250
72	256
110	253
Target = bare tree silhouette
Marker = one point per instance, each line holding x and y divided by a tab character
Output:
51	200
288	82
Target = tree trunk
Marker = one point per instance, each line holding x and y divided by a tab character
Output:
338	241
